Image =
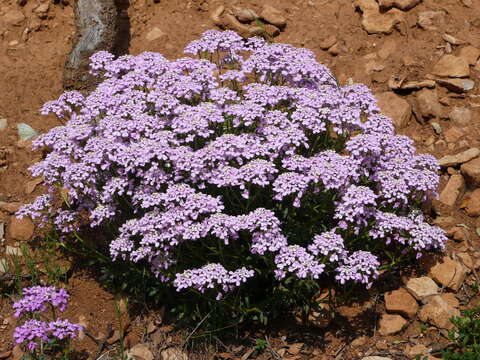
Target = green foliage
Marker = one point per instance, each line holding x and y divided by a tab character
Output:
466	337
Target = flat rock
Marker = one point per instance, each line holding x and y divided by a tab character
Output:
451	299
155	34
453	134
471	171
428	104
411	85
173	353
449	273
13	18
417	350
461	116
401	302
454	189
473	203
391	324
427	19
395	107
470	54
141	351
273	16
21	229
452	66
438	312
10	207
422	287
399	4
458	86
460	158
375	22
328	42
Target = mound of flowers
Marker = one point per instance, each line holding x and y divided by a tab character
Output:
245	161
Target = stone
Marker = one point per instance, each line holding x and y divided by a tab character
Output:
216	14
411	85
21	229
471	171
453	134
273	16
426	19
452	66
335	49
155	34
31	185
391	324
141	351
470	54
448	273
26	132
375	22
417	350
272	30
328	42
437	127
453	191
422	287
460	158
395	107
452	39
13	18
451	299
244	15
461	116
373	66
173	353
42	10
3	124
428	104
11	207
401	302
400	4
360	341
473	203
458	86
438	312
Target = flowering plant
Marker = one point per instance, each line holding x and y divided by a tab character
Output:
44	335
247	164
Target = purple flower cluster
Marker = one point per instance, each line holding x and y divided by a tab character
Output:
38	298
240	147
33	332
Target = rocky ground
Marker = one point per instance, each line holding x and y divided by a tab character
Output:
421	58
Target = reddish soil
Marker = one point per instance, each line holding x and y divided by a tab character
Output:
32	58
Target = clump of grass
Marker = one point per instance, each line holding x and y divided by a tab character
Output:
466	337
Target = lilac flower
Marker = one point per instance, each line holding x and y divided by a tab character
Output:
330	245
33	332
37	298
62	329
296	260
360	266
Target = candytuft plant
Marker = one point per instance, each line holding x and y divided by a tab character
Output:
246	176
44	335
